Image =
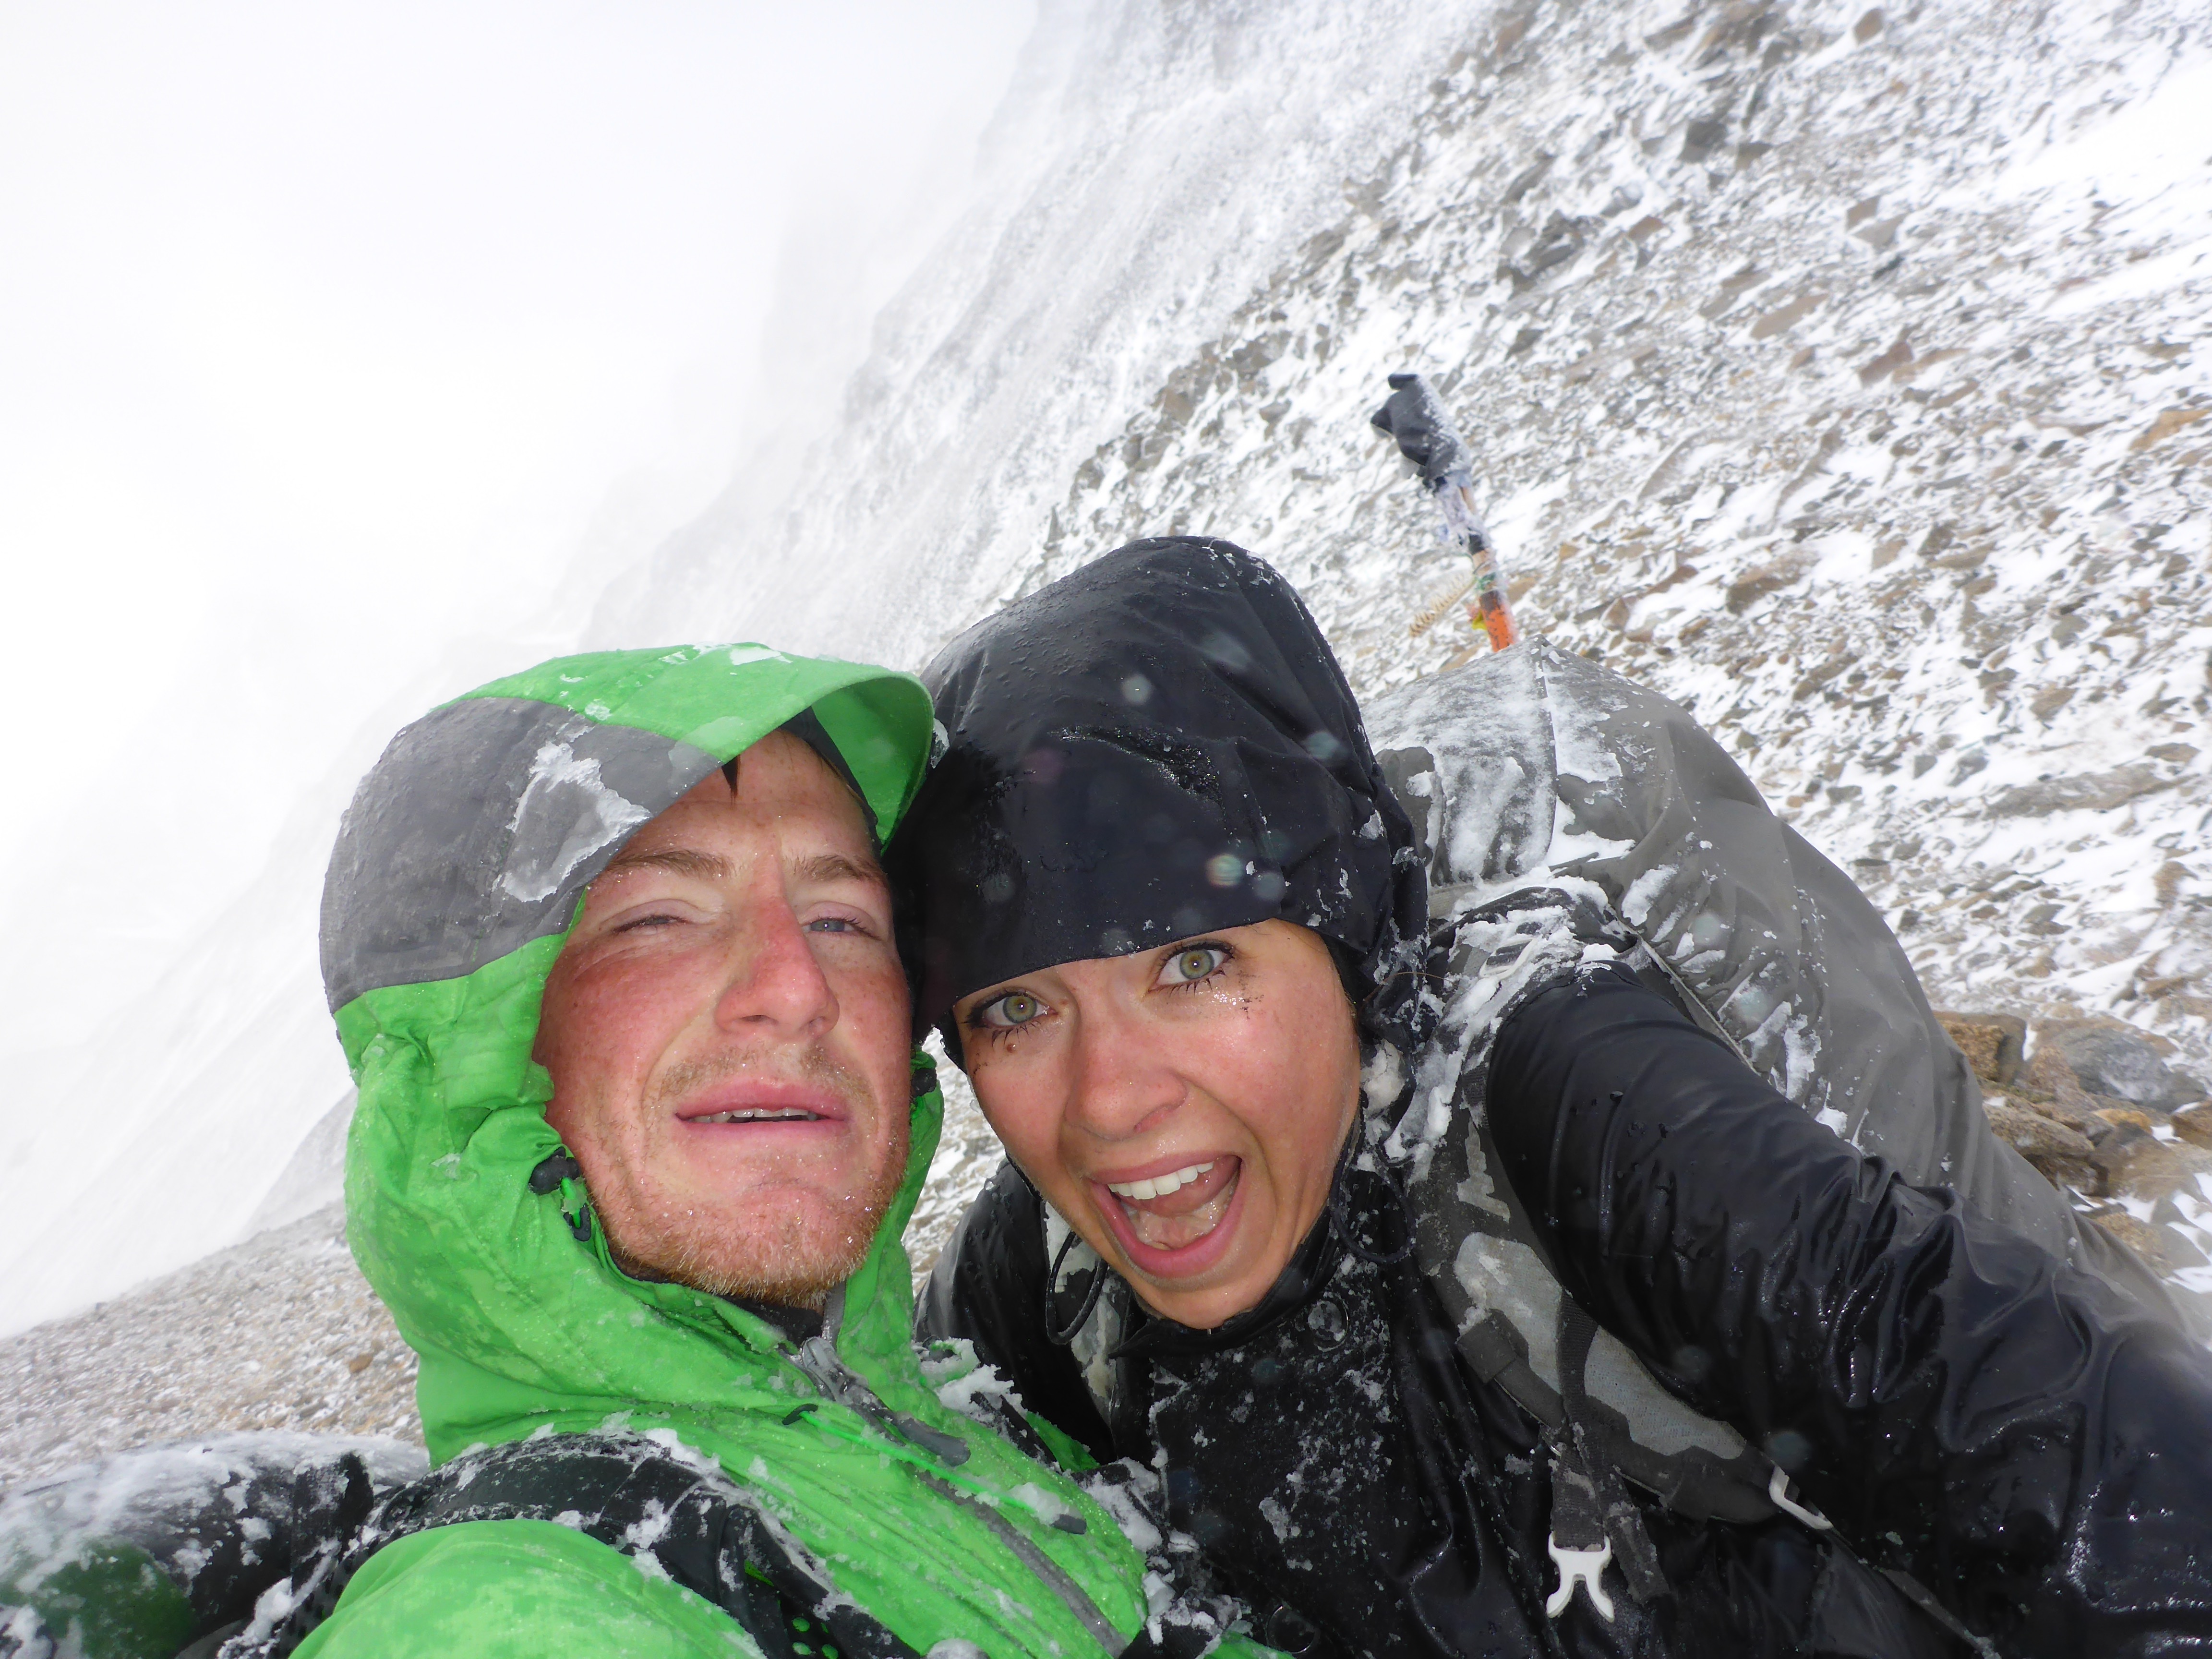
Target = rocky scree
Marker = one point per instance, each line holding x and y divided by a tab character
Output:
2102	1111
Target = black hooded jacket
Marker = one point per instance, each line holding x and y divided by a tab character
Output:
1977	1419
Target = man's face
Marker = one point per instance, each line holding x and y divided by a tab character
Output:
727	1031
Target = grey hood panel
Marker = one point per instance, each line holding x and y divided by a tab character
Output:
434	883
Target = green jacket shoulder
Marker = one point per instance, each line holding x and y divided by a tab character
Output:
518	1590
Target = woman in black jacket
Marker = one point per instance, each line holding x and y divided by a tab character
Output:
1428	1244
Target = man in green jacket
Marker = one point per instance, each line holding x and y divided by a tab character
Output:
640	1125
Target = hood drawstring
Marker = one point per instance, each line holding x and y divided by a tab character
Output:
563	1173
1061	1335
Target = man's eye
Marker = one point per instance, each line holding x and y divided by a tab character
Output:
1188	967
1013	1009
834	925
635	923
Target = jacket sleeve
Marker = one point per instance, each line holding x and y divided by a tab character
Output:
988	1288
517	1589
2025	1440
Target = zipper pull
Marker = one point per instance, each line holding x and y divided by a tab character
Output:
818	1358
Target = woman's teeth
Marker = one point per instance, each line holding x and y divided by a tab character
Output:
1158	1186
1176	1222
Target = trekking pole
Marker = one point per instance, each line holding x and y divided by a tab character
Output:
1426	437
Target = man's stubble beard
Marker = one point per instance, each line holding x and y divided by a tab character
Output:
794	1257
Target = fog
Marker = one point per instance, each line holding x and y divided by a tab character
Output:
343	340
348	349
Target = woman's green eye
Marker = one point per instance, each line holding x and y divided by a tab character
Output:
1188	967
1016	1008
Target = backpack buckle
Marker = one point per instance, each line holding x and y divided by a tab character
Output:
1777	1489
1582	1567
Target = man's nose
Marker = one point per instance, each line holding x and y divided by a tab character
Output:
1122	1082
774	983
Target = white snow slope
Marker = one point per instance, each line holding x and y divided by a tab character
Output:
1830	369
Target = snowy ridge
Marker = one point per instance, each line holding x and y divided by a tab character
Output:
1149	169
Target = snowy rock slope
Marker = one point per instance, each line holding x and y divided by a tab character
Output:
280	1333
1816	383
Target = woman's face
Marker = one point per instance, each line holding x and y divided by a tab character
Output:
1182	1107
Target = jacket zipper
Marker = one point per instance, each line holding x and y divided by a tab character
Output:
818	1358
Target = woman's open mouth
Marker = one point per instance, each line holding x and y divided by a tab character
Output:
1170	1223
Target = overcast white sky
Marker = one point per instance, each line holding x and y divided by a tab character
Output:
332	337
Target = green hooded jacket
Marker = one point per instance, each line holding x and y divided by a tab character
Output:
460	869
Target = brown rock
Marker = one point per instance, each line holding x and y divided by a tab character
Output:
1785	318
2145	1240
2194	1125
2062	1094
1759	580
2123	1121
2062	1155
2136	1166
1813	678
1992	1043
2168	423
2049	701
1898	355
2096	792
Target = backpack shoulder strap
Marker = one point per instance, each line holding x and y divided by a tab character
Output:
1519	1332
640	1495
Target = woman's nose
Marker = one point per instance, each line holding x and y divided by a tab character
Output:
1123	1082
774	984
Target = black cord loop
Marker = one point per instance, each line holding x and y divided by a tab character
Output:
1060	1337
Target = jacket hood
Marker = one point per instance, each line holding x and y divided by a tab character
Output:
1160	745
458	869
